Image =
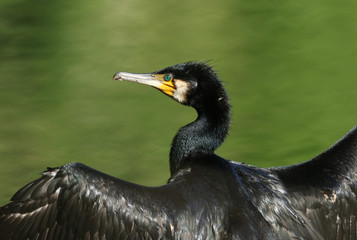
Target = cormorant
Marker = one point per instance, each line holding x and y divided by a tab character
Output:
206	197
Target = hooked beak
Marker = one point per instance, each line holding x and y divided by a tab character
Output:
154	80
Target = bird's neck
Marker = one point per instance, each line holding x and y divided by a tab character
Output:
204	135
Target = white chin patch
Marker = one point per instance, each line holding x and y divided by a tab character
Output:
180	93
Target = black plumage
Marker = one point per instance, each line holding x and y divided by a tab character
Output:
206	197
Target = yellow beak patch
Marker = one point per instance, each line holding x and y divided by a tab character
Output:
166	85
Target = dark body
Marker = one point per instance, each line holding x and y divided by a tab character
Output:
206	197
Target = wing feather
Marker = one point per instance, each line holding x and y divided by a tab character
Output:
325	188
77	202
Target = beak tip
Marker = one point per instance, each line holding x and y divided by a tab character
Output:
117	76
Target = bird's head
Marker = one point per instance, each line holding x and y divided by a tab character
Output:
192	83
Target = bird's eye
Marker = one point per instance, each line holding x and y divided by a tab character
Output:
167	77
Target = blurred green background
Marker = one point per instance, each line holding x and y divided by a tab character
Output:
289	67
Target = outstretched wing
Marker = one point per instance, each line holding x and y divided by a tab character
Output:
325	188
77	202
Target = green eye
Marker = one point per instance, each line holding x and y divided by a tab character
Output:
167	77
